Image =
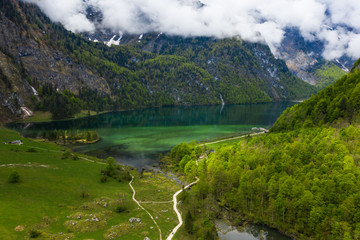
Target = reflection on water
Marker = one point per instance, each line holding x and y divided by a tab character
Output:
248	232
137	137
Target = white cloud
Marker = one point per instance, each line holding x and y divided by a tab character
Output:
69	12
253	20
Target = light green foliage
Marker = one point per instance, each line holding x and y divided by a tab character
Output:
302	182
115	171
338	104
328	74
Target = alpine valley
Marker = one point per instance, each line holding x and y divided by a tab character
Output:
299	179
43	64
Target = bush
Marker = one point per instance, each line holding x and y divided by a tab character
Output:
31	150
66	155
34	233
103	179
75	157
14	177
120	208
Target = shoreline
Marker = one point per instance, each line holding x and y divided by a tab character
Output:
250	134
230	216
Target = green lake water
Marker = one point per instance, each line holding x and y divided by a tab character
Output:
137	137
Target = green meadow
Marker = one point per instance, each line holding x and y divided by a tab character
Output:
41	116
58	198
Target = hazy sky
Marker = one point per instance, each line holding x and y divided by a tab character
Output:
253	20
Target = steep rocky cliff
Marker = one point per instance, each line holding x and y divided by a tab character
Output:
304	58
26	61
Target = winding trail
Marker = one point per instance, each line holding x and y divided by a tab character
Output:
138	203
229	139
173	232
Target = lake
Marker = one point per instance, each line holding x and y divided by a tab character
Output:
136	138
247	232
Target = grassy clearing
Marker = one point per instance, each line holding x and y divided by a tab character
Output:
328	74
40	116
64	198
86	113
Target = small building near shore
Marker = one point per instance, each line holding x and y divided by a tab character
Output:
260	129
16	142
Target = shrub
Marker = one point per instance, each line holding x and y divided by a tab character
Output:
103	179
34	233
75	157
14	177
66	155
120	208
31	150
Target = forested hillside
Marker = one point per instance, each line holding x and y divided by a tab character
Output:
302	178
63	73
337	104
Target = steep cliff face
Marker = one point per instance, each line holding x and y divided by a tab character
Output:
15	91
26	62
22	36
305	60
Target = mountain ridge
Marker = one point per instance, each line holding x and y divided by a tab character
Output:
80	74
336	105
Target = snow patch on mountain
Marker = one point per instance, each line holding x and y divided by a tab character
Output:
342	66
112	41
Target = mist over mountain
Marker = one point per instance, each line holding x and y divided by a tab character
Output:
335	23
45	67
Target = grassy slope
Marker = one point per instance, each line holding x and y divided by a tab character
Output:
45	196
328	74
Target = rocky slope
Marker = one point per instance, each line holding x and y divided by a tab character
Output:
26	61
305	60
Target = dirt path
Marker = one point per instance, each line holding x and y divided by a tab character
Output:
155	202
229	139
137	202
177	211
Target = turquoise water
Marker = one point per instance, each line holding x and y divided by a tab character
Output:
137	137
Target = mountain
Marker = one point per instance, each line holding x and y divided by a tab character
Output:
337	105
304	58
58	71
28	61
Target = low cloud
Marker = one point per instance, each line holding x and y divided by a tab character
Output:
336	22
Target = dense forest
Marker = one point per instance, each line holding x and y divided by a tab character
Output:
338	104
302	178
